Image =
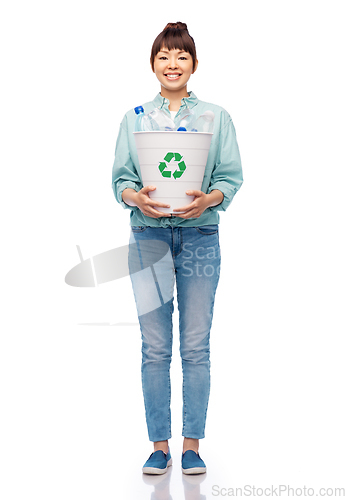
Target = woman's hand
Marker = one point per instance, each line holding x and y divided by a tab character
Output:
200	203
142	200
196	208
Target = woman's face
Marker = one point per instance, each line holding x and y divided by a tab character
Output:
173	68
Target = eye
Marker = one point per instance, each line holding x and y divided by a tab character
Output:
163	57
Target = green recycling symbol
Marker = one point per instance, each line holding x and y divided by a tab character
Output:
167	159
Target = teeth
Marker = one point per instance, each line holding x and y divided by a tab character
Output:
173	76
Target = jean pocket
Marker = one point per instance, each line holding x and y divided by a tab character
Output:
138	229
207	230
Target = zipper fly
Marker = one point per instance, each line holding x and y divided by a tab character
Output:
176	241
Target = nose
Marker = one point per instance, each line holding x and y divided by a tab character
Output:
173	64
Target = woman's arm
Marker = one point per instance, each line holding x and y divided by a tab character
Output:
227	175
142	200
226	178
215	198
124	173
126	183
201	202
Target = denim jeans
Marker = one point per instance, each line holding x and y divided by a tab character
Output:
159	257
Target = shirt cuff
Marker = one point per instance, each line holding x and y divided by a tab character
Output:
121	187
228	194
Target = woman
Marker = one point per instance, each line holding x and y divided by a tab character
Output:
192	236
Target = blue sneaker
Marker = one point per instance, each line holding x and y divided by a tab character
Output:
191	463
157	463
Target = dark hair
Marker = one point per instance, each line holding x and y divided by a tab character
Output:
174	36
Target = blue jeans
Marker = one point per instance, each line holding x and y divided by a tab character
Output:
157	258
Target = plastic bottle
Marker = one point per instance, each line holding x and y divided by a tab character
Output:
186	119
159	120
205	123
142	122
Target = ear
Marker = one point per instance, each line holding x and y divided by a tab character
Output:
195	66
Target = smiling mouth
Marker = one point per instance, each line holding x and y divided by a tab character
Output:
172	76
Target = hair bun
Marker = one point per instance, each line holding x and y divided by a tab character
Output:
176	26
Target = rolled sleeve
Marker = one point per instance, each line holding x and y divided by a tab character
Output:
227	175
124	173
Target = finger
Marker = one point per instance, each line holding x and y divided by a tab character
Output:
146	189
194	192
154	216
184	209
151	211
157	213
187	215
154	203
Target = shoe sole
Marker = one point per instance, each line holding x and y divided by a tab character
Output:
155	470
194	470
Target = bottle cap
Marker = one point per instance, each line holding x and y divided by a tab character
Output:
181	129
139	109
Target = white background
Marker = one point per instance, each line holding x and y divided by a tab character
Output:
72	417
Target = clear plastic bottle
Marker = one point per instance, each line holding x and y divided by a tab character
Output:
160	120
205	123
142	122
186	119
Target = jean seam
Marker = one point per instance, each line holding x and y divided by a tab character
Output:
169	376
184	404
199	229
181	241
182	364
207	234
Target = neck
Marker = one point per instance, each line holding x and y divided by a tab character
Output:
174	97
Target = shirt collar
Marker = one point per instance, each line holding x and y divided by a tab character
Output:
189	102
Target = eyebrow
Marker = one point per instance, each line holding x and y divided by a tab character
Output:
167	51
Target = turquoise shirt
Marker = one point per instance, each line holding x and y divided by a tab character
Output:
223	170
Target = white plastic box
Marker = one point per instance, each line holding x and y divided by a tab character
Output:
174	162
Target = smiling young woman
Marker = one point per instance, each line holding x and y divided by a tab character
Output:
175	36
192	237
174	53
173	68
